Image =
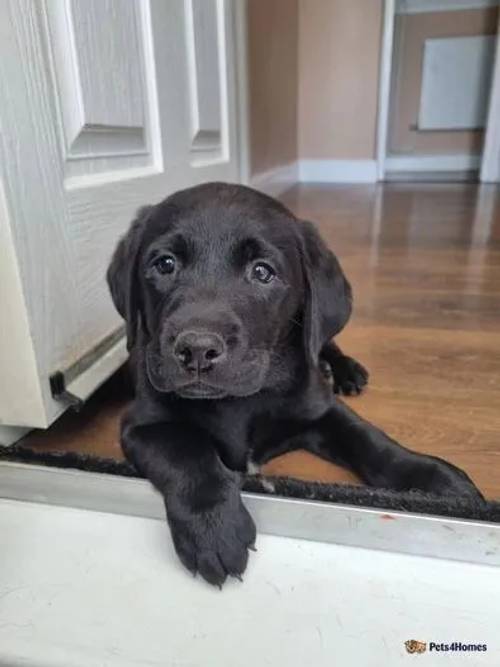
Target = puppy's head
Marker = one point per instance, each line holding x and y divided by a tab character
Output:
217	282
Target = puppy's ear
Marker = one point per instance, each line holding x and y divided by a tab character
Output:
328	296
122	277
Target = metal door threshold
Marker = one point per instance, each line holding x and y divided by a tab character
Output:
403	532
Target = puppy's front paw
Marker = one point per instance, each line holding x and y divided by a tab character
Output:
442	478
214	542
349	376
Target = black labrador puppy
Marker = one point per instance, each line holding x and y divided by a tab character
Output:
231	304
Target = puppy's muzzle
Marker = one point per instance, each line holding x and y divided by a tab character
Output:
199	351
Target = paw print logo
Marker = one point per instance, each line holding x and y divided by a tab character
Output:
414	646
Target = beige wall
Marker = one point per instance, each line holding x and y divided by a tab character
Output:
272	62
339	53
313	79
411	30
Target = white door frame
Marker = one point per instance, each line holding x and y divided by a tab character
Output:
242	89
384	85
490	162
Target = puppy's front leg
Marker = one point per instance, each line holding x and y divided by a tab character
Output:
211	528
378	459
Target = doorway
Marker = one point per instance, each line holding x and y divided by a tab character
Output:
437	97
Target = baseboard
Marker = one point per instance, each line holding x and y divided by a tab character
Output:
275	181
431	176
427	6
338	171
430	163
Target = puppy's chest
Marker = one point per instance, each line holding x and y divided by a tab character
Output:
241	434
255	430
228	426
241	437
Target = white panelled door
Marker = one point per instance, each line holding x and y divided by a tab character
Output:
105	105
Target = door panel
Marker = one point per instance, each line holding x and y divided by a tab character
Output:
202	42
99	73
109	105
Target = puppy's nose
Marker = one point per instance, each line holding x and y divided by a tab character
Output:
199	350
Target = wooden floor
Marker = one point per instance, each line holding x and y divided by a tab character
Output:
424	262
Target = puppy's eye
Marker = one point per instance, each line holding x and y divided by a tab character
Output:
263	272
164	264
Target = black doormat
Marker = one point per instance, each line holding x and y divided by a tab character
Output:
286	487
